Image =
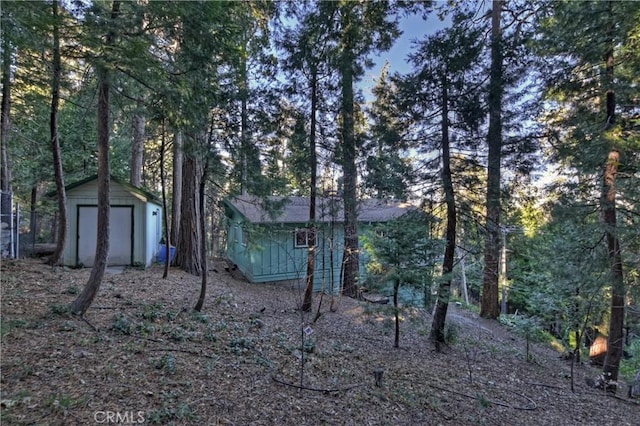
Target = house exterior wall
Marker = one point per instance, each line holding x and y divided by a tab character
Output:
86	195
267	253
153	231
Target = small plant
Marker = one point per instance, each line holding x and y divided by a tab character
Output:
167	415
177	334
239	345
167	363
172	315
139	266
121	323
60	310
484	403
68	326
72	289
145	329
309	346
199	317
6	326
630	364
451	333
210	335
61	403
151	312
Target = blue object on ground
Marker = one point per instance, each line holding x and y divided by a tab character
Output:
162	254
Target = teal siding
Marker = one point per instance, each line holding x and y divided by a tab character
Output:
271	255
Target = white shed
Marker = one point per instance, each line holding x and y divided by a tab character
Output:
135	225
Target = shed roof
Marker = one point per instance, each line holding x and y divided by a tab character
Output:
134	189
296	209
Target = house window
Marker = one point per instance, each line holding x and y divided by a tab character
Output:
303	237
244	236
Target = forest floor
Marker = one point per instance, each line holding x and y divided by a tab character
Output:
140	355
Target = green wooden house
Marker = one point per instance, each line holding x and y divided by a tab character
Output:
268	239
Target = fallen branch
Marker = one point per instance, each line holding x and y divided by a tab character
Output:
502	404
87	321
314	389
181	350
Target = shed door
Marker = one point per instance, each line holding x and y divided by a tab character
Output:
120	235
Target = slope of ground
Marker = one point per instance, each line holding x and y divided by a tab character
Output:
141	356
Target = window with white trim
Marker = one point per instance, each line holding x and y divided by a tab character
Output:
303	237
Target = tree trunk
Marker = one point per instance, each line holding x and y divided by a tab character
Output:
84	300
244	122
165	213
137	149
313	164
177	187
203	238
396	313
608	206
351	258
5	172
56	257
489	307
188	256
444	288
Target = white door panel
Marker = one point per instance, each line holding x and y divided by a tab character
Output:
120	235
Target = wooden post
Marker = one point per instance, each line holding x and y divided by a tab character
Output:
377	374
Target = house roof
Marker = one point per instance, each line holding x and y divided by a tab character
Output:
146	194
296	209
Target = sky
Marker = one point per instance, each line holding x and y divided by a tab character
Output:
413	27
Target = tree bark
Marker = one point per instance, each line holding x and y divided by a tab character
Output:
313	164
396	312
137	149
188	255
489	307
5	173
351	258
444	288
608	206
244	123
84	300
176	199
56	257
165	213
203	239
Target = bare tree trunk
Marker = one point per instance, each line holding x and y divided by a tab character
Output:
608	206
84	300
56	257
351	258
313	163
244	123
137	149
444	288
5	173
396	313
489	307
177	187
165	213
188	256
203	239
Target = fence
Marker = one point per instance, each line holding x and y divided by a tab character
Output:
9	226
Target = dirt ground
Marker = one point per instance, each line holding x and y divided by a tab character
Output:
140	355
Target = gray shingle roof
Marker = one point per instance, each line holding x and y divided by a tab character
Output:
296	209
